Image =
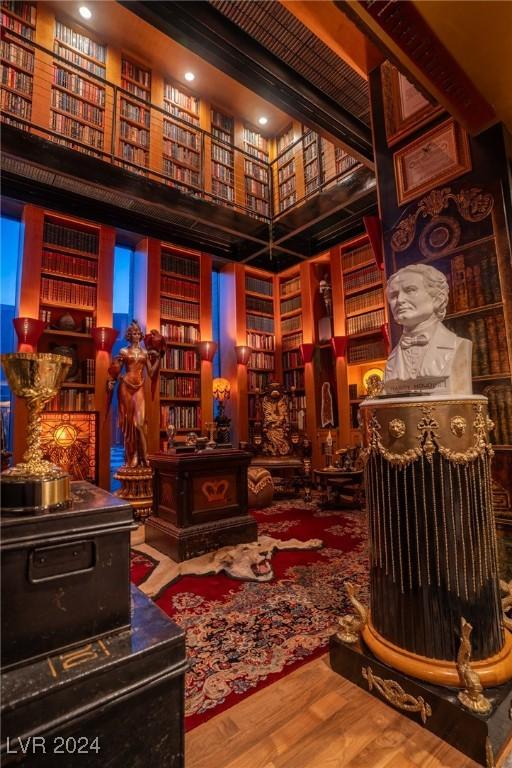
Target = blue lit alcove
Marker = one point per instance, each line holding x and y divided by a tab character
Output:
11	242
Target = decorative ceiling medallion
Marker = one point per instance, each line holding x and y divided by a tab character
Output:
397	428
439	236
458	426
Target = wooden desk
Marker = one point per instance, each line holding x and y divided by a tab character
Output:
340	488
200	501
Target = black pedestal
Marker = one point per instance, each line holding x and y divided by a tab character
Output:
471	734
115	702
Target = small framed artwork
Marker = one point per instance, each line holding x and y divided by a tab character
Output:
405	108
435	158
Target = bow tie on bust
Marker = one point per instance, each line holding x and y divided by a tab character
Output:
421	340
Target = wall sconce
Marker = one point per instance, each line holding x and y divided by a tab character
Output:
243	354
306	352
339	345
207	350
28	330
373	228
104	338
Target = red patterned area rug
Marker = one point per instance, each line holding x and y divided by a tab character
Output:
244	635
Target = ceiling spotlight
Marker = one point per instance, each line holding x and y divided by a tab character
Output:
84	12
190	76
262	120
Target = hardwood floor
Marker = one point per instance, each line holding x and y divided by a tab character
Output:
313	718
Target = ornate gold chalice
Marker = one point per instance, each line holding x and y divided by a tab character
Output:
34	485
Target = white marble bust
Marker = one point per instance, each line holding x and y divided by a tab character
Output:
428	357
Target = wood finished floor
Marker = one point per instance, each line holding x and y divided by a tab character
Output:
313	718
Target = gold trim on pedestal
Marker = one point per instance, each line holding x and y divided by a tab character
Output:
395	694
493	671
136	489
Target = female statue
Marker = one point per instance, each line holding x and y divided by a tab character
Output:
132	417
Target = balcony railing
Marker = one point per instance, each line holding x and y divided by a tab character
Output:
47	95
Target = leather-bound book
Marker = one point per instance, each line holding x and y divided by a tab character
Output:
470	286
482	350
494	280
502	343
492	345
485	282
477	282
460	291
472	335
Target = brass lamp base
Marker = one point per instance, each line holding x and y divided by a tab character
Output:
32	494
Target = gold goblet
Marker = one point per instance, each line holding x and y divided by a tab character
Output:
34	485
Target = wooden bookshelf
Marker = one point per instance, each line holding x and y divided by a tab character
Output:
311	156
181	143
17	62
256	172
223	157
286	170
72	293
343	161
135	116
291	337
260	328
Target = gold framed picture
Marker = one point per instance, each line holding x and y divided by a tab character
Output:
405	108
438	156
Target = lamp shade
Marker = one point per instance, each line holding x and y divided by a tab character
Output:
221	389
28	329
207	350
243	354
306	352
104	338
339	345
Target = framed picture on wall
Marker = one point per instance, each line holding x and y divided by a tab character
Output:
405	108
435	158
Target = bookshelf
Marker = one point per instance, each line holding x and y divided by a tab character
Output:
181	143
17	62
343	161
286	170
223	156
291	324
77	108
260	331
73	261
256	174
135	116
311	154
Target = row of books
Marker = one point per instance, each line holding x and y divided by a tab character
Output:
311	172
292	359
72	400
473	286
289	286
180	386
85	326
133	133
261	360
258	205
221	135
343	161
178	133
488	334
180	309
260	341
84	88
310	153
75	130
294	379
257	380
68	237
171	93
60	292
26	11
135	112
253	137
134	72
287	172
292	341
286	202
182	154
223	173
360	353
257	171
368	322
259	305
182	288
287	187
222	121
80	42
74	145
289	305
500	411
13	78
15	25
258	285
175	111
219	189
184	359
356	257
72	266
182	416
171	262
291	324
259	323
17	55
76	107
362	301
256	187
135	90
136	155
222	155
259	154
88	370
182	334
361	278
80	61
11	102
184	175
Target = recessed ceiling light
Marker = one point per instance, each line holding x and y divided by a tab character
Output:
84	12
262	120
190	76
